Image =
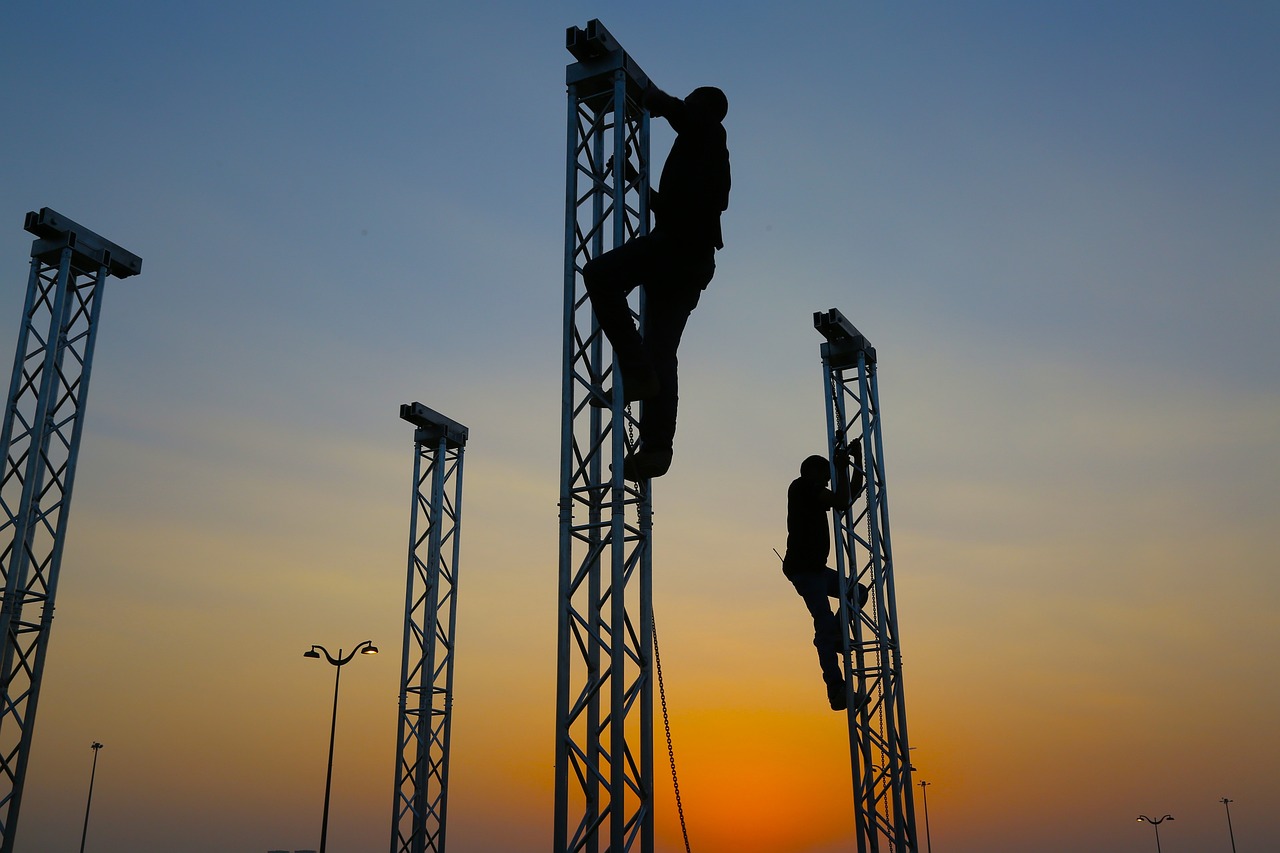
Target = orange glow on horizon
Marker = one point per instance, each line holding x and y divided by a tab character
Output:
757	782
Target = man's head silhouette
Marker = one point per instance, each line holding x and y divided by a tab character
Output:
709	101
816	468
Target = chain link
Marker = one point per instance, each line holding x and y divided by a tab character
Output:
666	724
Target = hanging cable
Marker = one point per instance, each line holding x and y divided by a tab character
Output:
666	724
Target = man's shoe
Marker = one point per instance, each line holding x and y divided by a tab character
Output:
646	464
836	697
858	597
840	702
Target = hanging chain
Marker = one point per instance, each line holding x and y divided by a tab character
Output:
666	724
840	439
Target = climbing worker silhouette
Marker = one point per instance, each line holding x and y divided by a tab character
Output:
805	564
674	263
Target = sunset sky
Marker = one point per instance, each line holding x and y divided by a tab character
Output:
1058	222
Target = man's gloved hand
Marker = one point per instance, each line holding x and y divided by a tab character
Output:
630	171
647	97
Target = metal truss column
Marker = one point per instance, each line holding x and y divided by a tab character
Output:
40	439
430	609
884	808
604	690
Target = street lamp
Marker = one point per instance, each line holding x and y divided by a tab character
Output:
365	648
95	746
1156	824
928	838
1227	804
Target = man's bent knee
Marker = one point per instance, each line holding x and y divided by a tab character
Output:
591	274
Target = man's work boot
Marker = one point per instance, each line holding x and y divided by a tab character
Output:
858	598
835	695
646	464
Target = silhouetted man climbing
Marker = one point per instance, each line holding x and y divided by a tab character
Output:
674	263
805	565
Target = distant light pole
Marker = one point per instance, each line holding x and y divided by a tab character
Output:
365	648
1227	803
928	838
1156	824
95	746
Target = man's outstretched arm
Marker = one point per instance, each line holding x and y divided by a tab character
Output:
662	105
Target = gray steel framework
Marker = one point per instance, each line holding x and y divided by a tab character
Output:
884	808
40	440
604	690
430	610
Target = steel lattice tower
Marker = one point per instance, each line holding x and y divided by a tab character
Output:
884	808
604	691
430	609
40	438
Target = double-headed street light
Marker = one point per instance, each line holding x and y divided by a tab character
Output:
923	793
365	648
84	835
1156	823
1227	803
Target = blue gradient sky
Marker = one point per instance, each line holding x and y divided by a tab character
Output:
1058	223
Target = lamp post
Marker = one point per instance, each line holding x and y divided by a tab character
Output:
925	794
95	746
365	648
1227	804
1156	823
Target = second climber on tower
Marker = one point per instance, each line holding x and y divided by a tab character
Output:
808	546
674	263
